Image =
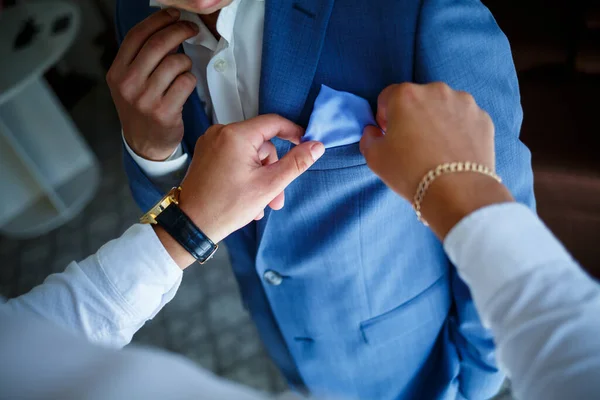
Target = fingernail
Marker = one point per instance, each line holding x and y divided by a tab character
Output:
173	12
192	25
381	123
317	150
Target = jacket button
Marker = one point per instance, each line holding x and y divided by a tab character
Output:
273	278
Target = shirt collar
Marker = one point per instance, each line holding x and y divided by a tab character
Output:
205	38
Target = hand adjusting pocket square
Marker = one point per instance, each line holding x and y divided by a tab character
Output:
338	118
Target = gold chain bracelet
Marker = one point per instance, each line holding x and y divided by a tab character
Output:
443	169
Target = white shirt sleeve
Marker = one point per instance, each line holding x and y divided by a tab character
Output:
541	306
105	299
41	361
164	174
108	296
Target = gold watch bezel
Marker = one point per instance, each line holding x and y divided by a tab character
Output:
170	198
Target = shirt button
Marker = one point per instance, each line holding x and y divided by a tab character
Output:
273	278
220	65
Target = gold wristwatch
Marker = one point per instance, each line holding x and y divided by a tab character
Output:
172	219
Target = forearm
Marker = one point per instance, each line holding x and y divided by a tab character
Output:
111	294
546	333
180	256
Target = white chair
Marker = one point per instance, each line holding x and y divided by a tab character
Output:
47	171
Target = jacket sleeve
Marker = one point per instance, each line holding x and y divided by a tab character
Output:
458	42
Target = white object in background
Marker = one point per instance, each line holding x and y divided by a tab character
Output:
47	171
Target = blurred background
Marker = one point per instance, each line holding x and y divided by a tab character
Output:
64	183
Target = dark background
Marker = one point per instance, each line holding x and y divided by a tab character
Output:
556	47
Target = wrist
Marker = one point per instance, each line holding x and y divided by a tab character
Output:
149	152
198	212
179	232
180	255
452	197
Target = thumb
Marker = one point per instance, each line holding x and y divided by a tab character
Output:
292	165
371	140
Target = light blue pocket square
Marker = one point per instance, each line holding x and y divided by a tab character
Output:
338	118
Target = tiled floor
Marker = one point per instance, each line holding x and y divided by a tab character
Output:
205	321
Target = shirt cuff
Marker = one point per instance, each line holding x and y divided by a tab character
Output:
140	271
158	169
499	243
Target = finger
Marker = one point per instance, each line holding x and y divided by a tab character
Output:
370	145
391	95
370	136
159	45
268	155
260	216
166	73
266	127
280	174
179	91
140	34
382	105
278	202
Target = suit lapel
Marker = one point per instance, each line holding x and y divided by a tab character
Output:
195	118
293	38
196	121
292	42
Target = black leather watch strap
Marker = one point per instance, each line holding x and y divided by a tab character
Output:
173	220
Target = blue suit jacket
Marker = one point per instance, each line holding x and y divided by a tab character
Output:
369	306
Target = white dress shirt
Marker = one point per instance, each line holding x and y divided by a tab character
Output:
228	76
542	308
